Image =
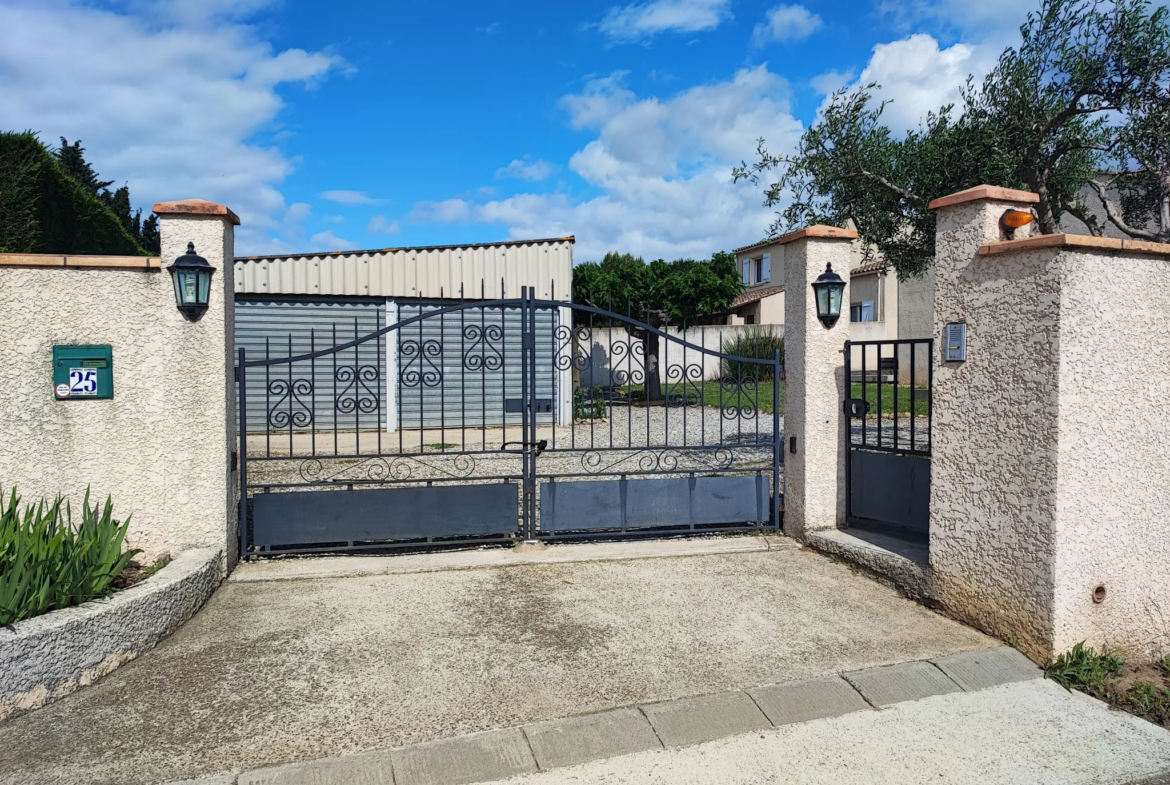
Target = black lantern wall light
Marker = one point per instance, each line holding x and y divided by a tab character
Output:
191	275
828	290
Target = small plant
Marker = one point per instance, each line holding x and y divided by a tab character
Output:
757	341
1085	669
441	446
589	405
47	563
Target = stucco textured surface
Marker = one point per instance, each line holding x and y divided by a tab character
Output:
1050	442
279	671
993	462
48	657
160	447
814	476
1113	488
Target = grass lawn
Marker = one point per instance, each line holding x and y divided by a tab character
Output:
921	406
712	394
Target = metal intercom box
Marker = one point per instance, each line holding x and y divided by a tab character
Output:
955	337
83	372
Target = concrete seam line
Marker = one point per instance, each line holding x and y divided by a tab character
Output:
532	752
870	703
948	678
650	722
761	708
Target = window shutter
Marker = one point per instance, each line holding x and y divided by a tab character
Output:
766	268
747	271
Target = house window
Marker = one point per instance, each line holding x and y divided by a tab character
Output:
862	312
749	319
747	272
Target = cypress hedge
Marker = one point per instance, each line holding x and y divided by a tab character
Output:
44	210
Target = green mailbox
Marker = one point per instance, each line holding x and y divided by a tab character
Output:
83	372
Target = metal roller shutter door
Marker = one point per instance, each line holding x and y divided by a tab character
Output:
279	329
467	396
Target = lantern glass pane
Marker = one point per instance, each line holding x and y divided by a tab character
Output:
835	292
822	300
204	287
190	287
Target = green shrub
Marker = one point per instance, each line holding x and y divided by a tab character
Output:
48	563
1084	668
758	341
589	404
44	210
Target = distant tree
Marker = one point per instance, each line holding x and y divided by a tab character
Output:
71	157
1080	103
659	293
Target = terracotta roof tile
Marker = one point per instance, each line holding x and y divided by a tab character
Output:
752	295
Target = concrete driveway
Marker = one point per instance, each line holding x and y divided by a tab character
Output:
308	659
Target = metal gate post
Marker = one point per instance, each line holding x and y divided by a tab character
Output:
777	441
527	344
847	403
532	407
241	379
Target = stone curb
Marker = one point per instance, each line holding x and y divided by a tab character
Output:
540	746
48	657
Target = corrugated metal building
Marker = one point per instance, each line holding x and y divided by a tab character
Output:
301	302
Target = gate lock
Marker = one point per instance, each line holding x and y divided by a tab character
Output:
857	407
538	405
524	447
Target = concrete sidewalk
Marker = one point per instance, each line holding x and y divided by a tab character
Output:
280	671
916	722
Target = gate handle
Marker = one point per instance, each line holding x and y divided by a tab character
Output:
525	446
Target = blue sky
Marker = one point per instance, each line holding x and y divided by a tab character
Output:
366	125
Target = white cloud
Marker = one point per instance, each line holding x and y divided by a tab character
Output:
350	197
168	108
831	81
334	219
919	77
525	170
663	167
328	241
639	21
379	225
447	211
786	23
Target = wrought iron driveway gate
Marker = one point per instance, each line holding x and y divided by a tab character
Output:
888	401
500	420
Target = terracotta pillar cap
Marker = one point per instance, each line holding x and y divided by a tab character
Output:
196	207
985	192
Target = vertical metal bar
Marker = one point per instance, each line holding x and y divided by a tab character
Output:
267	401
878	348
777	446
443	376
896	347
483	369
290	398
378	358
243	448
532	388
462	377
313	389
398	366
864	397
849	424
333	387
930	397
524	402
357	392
913	402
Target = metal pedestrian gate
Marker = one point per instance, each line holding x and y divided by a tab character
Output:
888	404
497	420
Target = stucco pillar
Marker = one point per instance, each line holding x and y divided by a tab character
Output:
814	387
210	400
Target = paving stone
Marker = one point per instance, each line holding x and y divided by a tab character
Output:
801	701
592	737
494	755
373	768
707	717
906	681
978	670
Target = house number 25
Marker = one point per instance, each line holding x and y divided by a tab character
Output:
82	381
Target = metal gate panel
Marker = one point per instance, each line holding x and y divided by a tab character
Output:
459	394
646	504
279	329
890	488
346	516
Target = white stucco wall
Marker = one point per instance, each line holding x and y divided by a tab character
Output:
814	476
161	446
1049	452
1113	456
